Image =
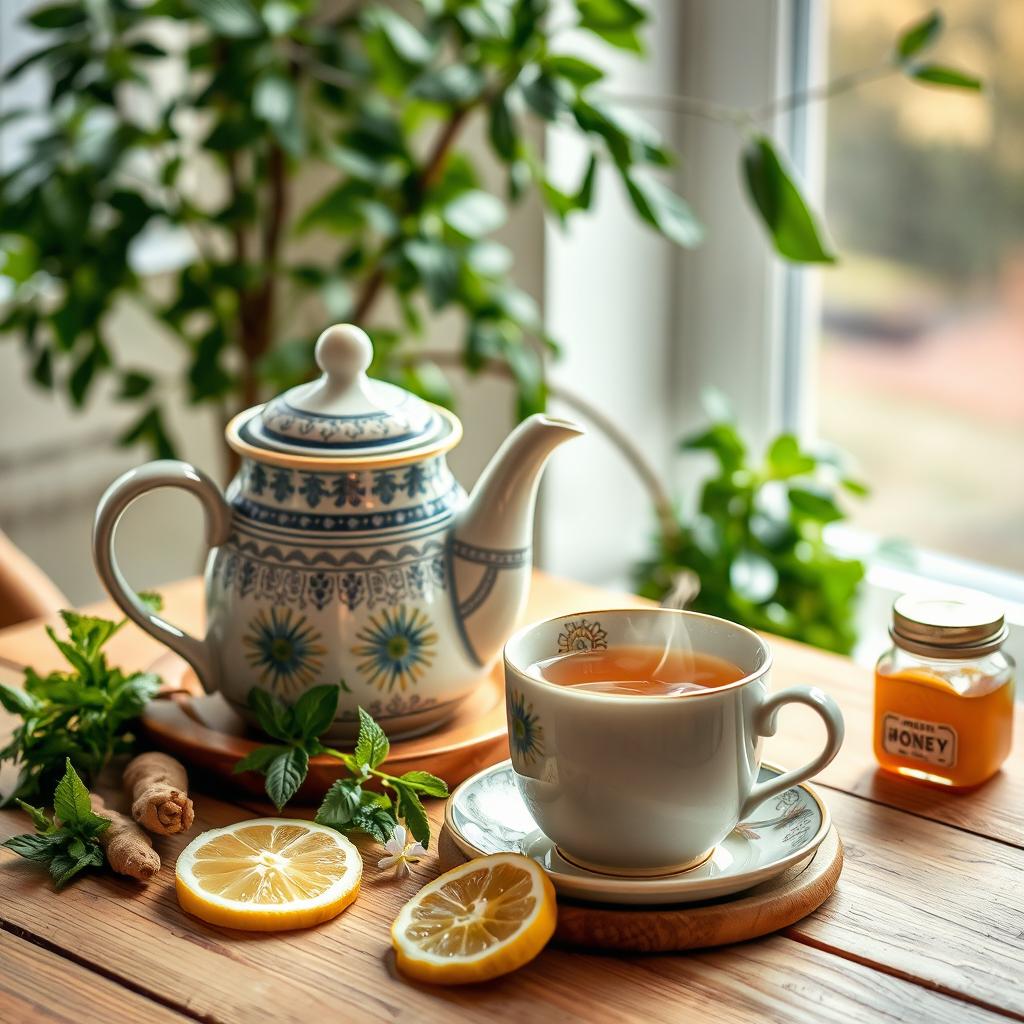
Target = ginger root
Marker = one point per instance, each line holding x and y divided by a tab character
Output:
129	850
158	787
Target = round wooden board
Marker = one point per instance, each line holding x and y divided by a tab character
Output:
206	734
766	908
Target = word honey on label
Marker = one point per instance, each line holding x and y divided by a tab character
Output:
944	691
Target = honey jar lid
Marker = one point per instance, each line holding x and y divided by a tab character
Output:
948	624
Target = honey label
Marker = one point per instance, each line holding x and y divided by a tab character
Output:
919	740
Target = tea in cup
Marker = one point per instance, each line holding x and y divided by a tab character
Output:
636	734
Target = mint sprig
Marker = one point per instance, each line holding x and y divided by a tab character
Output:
298	727
70	846
84	714
347	805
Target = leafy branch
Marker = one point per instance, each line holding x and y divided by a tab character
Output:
69	842
755	550
794	229
83	715
369	103
366	101
347	804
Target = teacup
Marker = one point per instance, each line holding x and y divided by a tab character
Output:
647	784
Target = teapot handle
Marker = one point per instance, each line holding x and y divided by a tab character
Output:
119	495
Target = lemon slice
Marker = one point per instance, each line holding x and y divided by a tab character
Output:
478	921
268	874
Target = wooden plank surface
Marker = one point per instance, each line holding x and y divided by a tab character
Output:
134	933
36	986
925	901
916	898
925	924
28	644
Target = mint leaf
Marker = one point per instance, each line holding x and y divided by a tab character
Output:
89	633
37	848
65	866
314	711
78	661
273	717
257	760
424	782
340	804
69	849
82	715
375	821
17	702
38	816
411	811
372	798
71	798
372	746
285	774
131	696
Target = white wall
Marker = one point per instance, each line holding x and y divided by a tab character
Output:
647	326
55	462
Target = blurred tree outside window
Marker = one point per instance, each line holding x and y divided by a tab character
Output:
921	364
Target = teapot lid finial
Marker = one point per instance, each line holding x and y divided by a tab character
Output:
343	352
344	414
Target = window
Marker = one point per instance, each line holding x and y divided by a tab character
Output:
921	363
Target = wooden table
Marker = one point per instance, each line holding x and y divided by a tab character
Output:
926	925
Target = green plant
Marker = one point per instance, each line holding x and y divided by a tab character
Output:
347	804
84	715
70	846
342	122
315	155
755	551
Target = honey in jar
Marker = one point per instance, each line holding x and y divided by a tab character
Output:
944	691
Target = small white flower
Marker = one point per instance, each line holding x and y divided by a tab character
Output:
365	768
401	853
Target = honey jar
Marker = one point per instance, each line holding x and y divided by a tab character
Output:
944	691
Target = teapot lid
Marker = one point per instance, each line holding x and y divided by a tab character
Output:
344	415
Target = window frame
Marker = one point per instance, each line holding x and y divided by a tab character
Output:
761	352
699	336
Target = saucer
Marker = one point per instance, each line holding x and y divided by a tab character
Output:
487	815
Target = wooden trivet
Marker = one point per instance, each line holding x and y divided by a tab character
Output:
772	905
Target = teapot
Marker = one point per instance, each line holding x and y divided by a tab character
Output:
345	552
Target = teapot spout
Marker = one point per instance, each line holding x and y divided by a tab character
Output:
491	544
